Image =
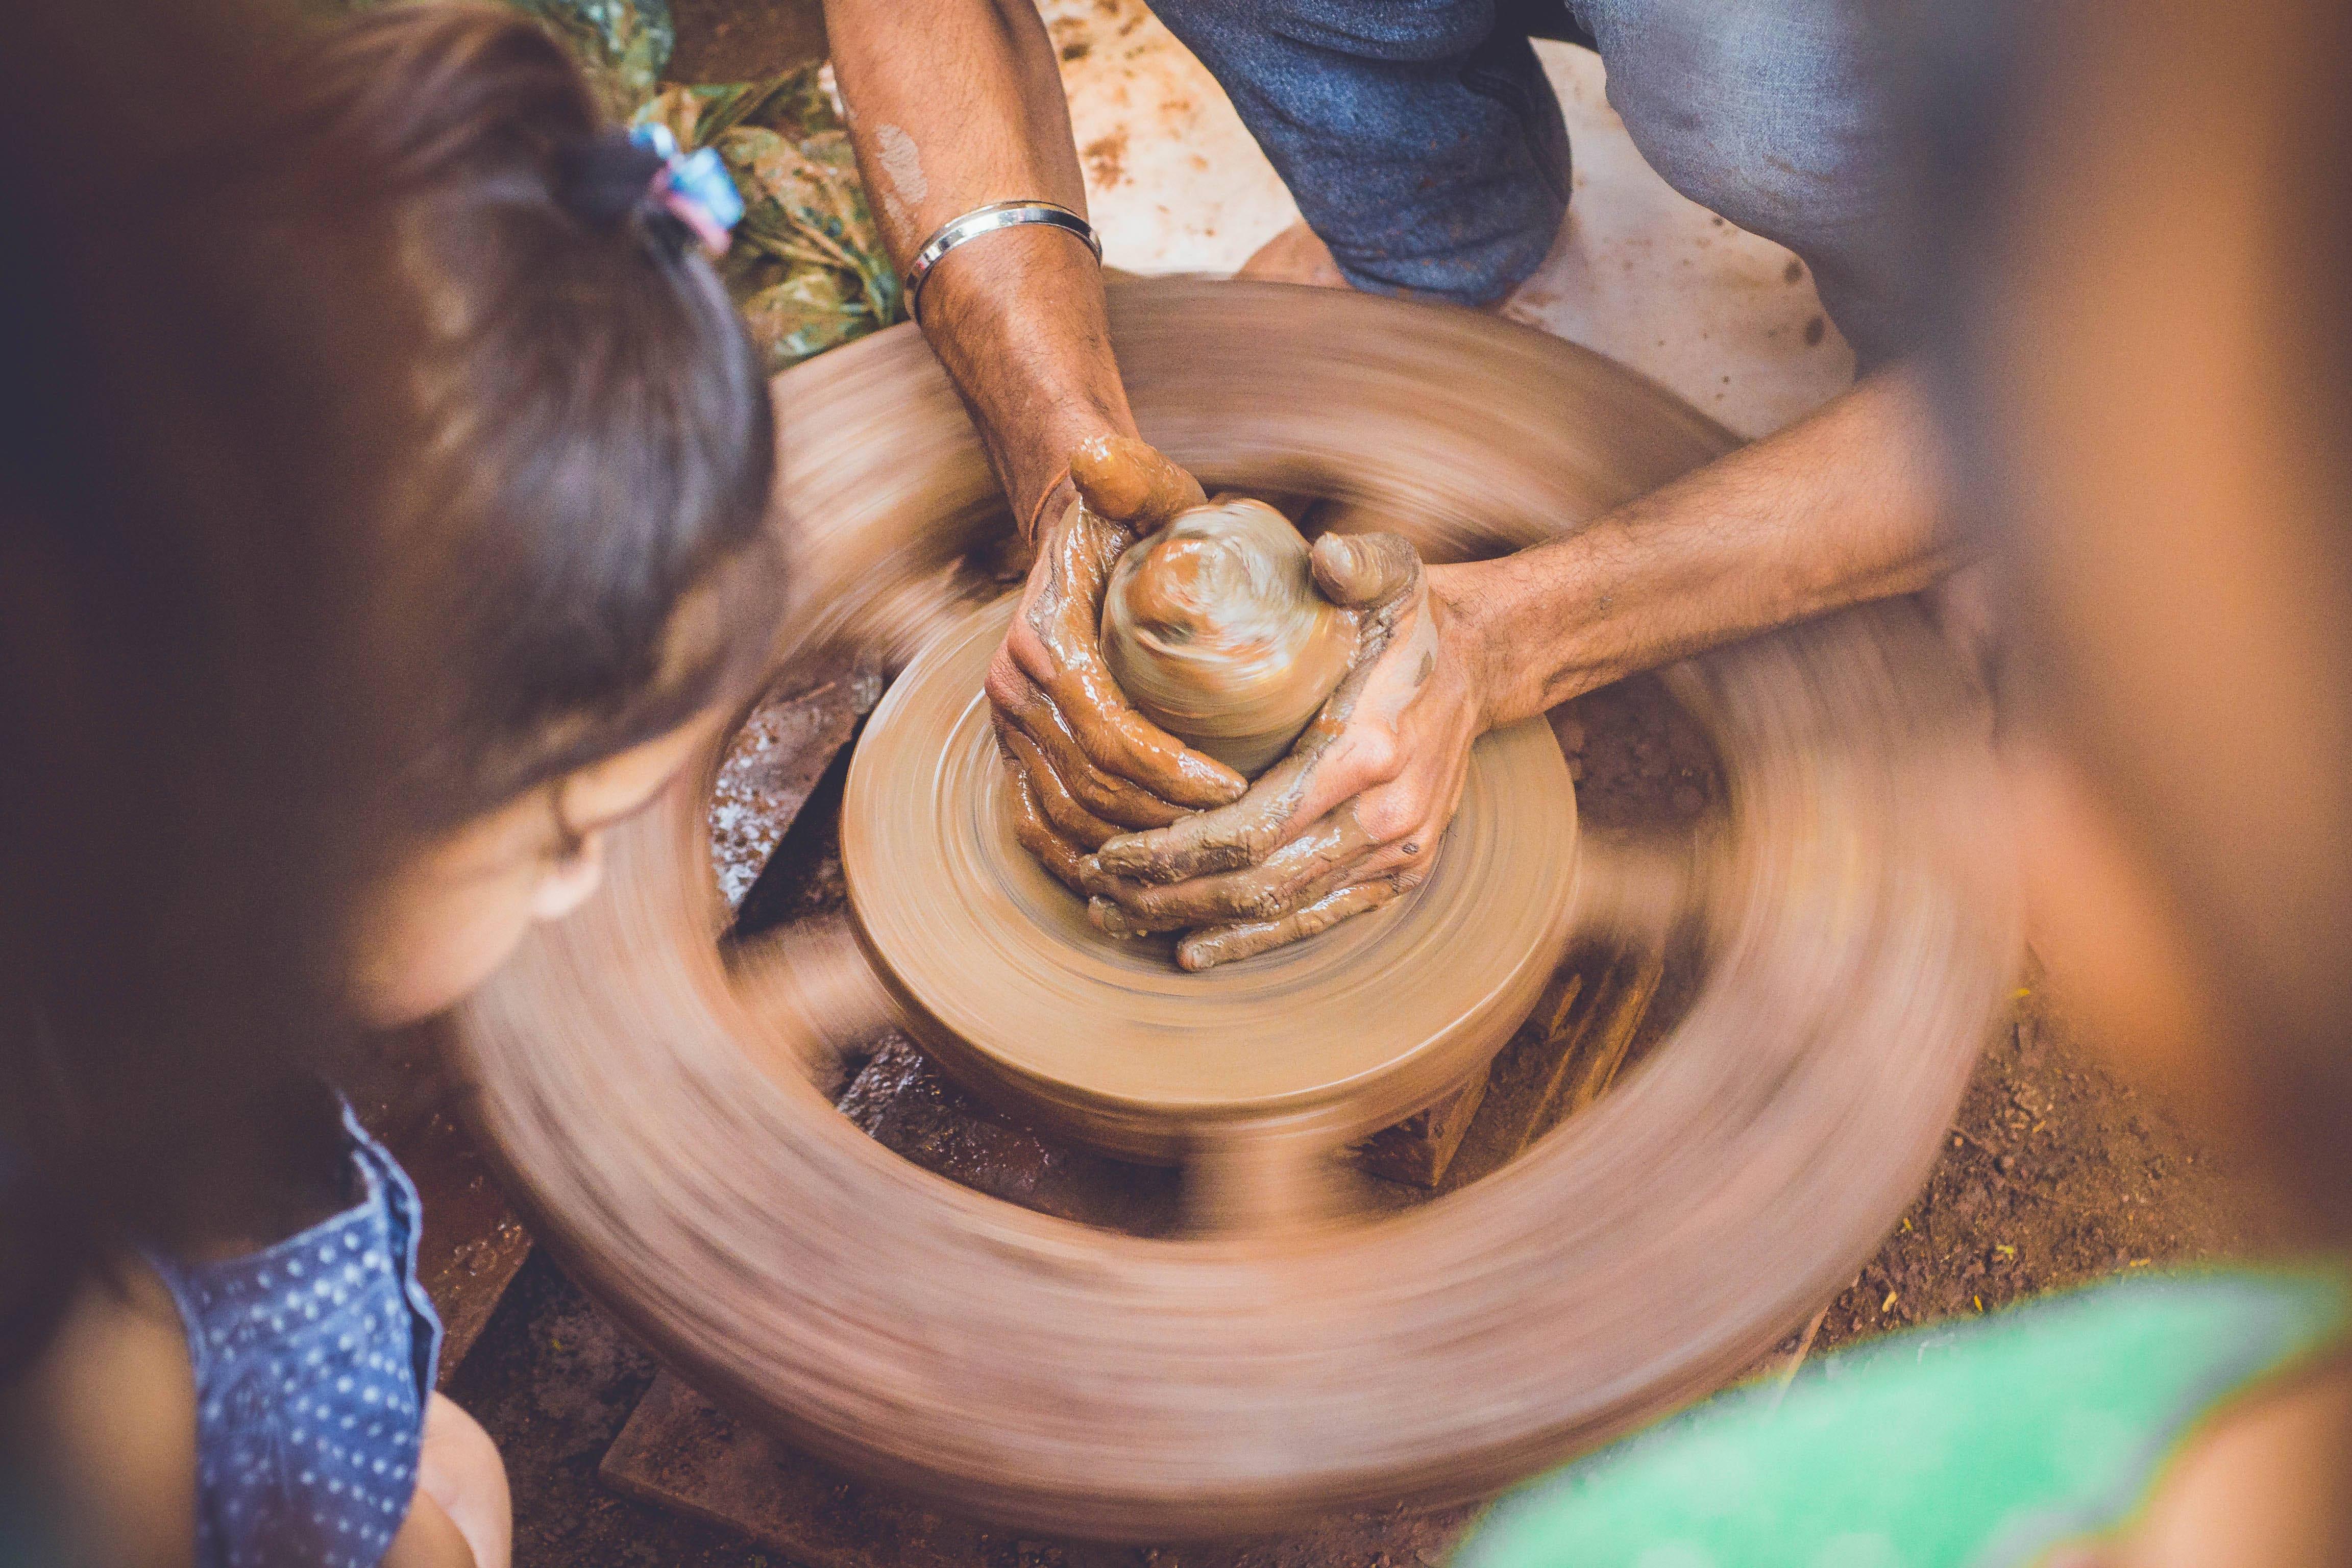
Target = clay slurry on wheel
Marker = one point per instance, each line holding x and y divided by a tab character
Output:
1009	983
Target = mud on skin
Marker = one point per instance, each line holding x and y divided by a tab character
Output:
1241	894
1083	764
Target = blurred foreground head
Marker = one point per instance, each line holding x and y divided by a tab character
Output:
370	458
198	414
580	560
2158	417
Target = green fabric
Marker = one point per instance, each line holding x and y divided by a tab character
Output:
1970	1446
807	268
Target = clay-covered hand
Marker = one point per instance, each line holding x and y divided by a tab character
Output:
1082	765
1351	817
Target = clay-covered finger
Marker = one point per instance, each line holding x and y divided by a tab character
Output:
1033	833
1224	944
1225	839
1111	921
1103	794
1069	818
1364	570
1132	481
1118	740
1326	852
1124	742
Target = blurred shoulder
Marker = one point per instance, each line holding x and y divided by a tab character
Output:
2267	1485
107	1420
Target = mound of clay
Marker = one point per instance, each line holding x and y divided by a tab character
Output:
1215	630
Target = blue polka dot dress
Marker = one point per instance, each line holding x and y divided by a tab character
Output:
313	1361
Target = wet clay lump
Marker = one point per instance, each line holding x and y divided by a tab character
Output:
1215	630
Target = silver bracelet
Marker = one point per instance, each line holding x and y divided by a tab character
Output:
988	220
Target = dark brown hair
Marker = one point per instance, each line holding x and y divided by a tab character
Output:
581	560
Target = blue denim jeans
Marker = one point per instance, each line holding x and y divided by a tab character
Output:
1425	147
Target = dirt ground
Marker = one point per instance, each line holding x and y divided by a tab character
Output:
2056	1173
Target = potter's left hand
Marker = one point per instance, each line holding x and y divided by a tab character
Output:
1081	765
1352	816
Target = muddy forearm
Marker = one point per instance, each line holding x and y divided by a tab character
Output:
1844	507
954	105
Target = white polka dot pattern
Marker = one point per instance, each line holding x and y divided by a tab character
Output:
313	1360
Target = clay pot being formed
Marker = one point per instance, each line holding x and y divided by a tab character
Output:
1215	630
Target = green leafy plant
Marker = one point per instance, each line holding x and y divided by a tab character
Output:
806	268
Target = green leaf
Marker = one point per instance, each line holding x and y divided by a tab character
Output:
803	317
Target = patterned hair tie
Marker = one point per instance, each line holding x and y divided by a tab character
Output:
694	188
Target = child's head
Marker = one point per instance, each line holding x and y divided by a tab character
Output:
577	577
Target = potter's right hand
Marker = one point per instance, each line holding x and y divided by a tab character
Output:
1082	765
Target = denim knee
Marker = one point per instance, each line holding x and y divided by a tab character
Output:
1425	148
1776	114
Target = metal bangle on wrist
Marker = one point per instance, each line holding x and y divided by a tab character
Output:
988	220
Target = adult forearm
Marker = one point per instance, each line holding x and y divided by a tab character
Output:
955	104
1844	507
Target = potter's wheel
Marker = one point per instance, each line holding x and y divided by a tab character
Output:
651	1101
1003	979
